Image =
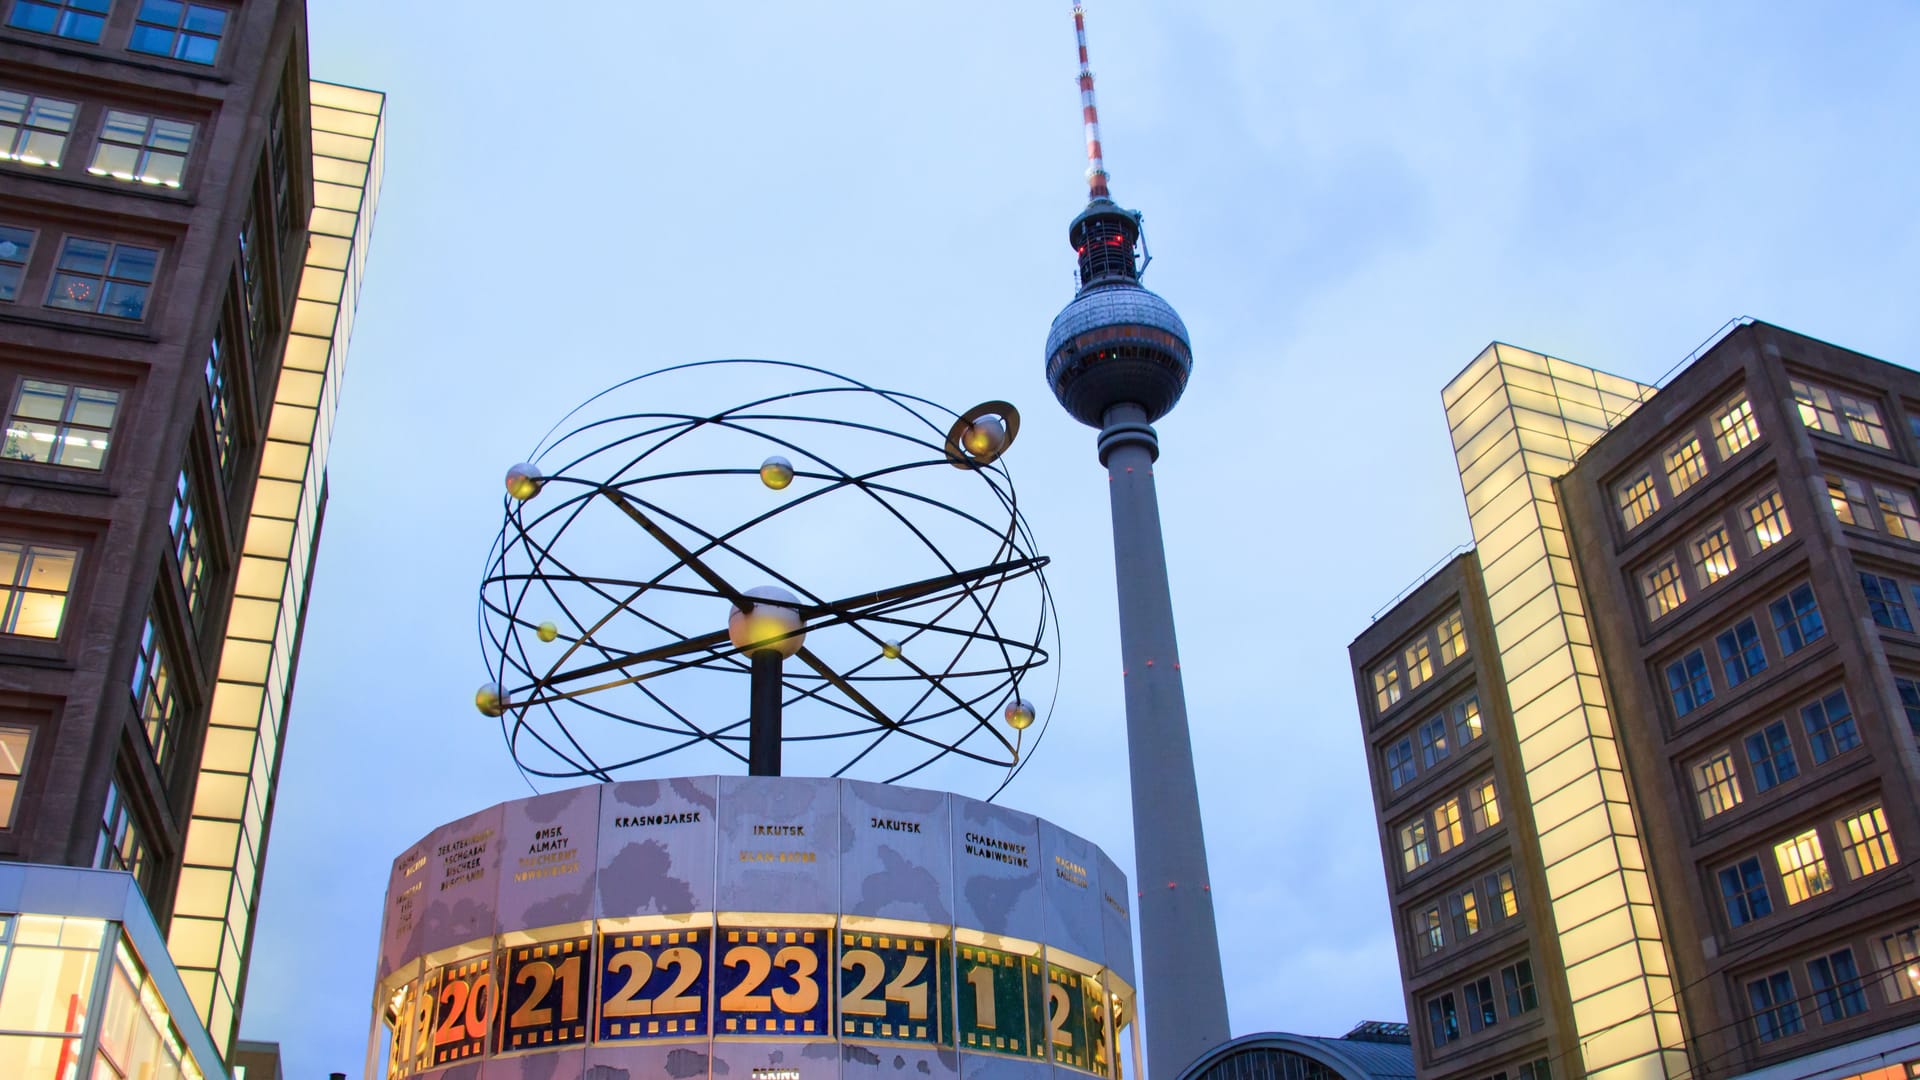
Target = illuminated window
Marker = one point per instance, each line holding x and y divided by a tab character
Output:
189	32
16	247
1483	802
50	977
1686	464
1517	980
1849	501
1776	1011
1427	938
108	279
1830	727
14	742
1862	420
122	844
1638	500
1662	588
1466	915
1741	655
1481	1013
220	405
1448	830
1452	632
1443	1021
1688	684
33	129
155	695
1796	620
142	149
59	424
1816	409
1770	753
1735	428
1713	555
1866	844
1400	770
1414	851
1803	867
1502	902
1466	720
1767	523
1433	742
34	582
1386	687
1715	784
1836	986
1743	887
189	543
80	20
1897	512
1884	602
1898	956
1419	664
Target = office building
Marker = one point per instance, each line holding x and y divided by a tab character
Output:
183	225
1644	758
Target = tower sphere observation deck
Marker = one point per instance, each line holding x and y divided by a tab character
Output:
1116	342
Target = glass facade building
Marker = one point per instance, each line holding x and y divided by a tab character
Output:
184	216
1684	629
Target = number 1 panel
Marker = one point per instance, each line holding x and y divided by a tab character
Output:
546	994
653	984
993	1002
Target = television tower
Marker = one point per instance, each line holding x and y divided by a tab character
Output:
1118	359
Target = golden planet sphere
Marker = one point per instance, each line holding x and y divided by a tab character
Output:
547	631
776	472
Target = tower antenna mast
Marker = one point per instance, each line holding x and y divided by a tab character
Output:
1090	112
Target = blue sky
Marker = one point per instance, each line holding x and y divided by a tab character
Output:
1345	202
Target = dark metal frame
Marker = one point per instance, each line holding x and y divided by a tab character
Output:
955	605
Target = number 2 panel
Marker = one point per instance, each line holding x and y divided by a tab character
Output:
545	987
895	988
653	985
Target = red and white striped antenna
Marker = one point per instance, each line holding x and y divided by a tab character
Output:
1096	164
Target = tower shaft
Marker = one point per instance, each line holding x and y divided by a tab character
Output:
1185	995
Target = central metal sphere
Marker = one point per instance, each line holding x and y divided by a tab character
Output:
774	624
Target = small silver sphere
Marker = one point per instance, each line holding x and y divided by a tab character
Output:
524	481
547	631
490	699
985	437
890	650
775	624
776	472
1020	714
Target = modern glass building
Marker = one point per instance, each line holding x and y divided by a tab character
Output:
1643	757
184	217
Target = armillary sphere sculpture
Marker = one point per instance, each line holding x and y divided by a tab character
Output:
854	558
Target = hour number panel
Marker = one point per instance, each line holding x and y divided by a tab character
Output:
773	982
463	1010
1066	1012
894	988
653	985
993	1001
545	990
